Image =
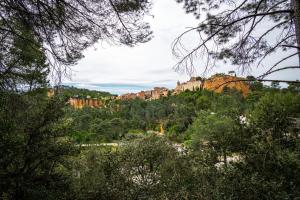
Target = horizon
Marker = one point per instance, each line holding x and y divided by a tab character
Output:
126	88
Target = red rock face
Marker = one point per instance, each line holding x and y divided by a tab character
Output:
218	83
215	83
80	103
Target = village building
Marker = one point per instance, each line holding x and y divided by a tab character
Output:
192	85
216	83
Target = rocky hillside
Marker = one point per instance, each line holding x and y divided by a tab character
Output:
88	101
79	98
216	83
219	82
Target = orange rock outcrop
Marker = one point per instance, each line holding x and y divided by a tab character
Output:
89	102
50	93
216	83
79	103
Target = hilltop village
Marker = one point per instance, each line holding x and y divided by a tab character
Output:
216	83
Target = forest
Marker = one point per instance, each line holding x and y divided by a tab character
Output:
120	119
194	145
231	145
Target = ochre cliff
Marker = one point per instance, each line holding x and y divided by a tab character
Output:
218	83
89	102
79	103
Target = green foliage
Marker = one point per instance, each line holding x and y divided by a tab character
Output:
294	87
130	6
230	27
35	150
275	85
149	168
33	147
70	91
38	160
266	146
271	159
256	86
174	113
66	28
33	143
23	64
238	148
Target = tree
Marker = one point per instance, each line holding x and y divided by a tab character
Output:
131	172
37	36
65	28
294	87
243	33
271	158
216	132
148	168
256	86
275	85
274	112
25	67
33	147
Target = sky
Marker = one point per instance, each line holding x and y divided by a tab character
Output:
122	69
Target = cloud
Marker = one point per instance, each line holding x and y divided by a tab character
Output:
121	69
122	88
160	71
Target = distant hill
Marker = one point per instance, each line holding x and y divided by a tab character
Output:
70	91
79	98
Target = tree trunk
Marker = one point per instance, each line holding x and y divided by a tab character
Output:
296	8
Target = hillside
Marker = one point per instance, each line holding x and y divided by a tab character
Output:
78	98
218	83
70	91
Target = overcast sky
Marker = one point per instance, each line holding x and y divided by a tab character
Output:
120	69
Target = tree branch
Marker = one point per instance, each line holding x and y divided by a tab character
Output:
226	26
